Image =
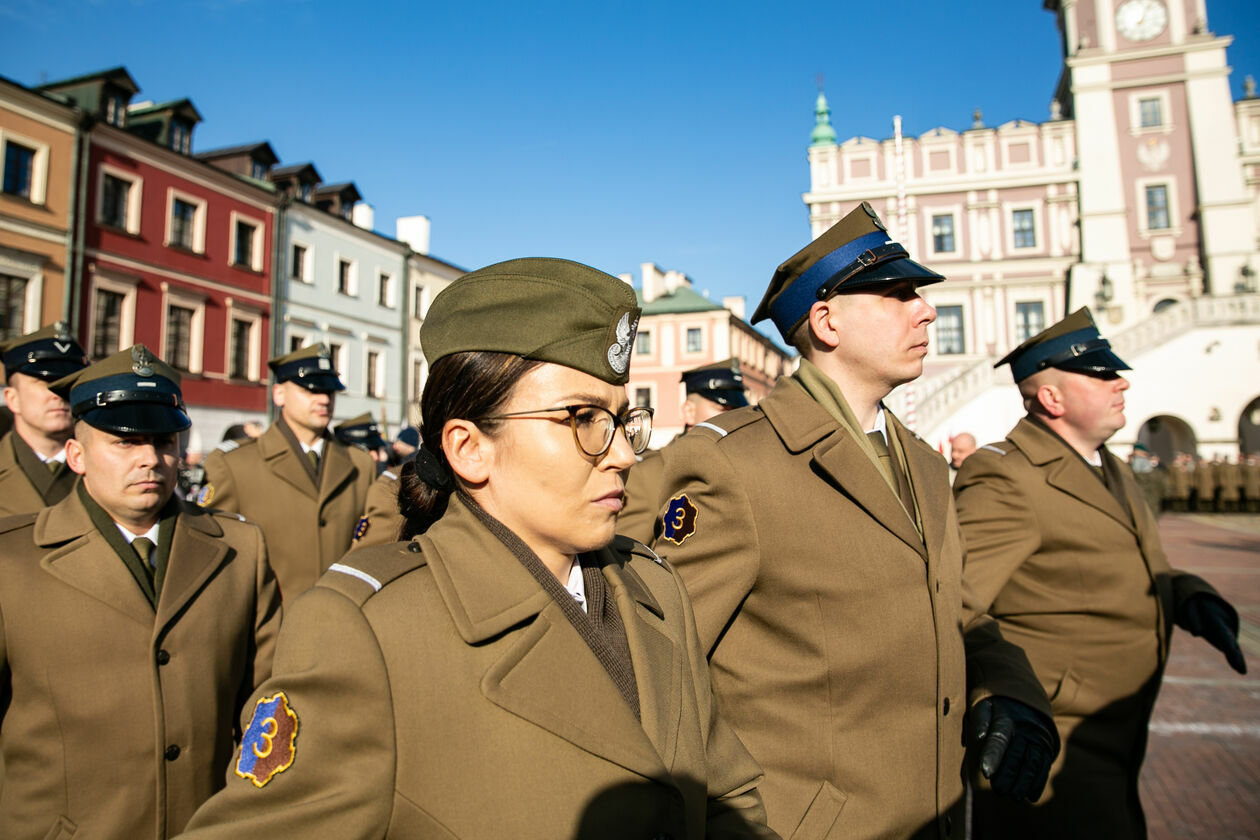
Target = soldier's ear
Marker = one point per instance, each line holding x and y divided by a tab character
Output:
820	323
1051	399
468	450
74	455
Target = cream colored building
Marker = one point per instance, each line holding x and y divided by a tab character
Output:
1137	197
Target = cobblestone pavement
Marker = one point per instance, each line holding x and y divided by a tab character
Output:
1201	779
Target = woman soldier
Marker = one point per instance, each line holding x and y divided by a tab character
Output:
513	671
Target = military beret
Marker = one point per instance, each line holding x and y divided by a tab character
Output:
49	353
130	392
310	366
720	382
360	431
853	253
1072	344
538	308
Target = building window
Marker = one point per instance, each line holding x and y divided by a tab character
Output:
1025	232
246	235
417	379
950	339
115	111
1157	216
181	137
1030	319
345	277
178	337
257	171
385	291
643	342
306	193
107	323
1152	112
417	303
12	306
694	342
298	269
185	229
115	193
242	341
943	233
643	397
373	362
19	170
334	353
296	343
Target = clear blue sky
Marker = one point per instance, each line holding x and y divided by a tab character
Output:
611	133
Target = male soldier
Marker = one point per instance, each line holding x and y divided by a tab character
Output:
303	487
363	432
1251	483
818	541
1180	474
33	472
711	390
1205	485
1229	477
1063	551
961	446
135	626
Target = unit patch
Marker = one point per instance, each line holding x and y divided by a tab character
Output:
270	742
206	496
361	528
679	520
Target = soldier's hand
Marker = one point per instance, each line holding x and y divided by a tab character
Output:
1216	622
1017	746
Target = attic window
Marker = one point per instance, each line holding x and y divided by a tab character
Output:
257	170
115	111
306	193
181	137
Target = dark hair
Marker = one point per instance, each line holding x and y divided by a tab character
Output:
466	385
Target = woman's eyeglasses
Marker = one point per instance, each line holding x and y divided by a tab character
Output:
594	426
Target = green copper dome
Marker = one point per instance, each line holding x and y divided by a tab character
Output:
823	134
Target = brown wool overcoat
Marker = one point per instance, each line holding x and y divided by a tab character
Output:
1081	582
381	520
441	692
307	528
118	722
833	630
18	493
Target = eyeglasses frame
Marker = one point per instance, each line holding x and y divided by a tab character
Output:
619	421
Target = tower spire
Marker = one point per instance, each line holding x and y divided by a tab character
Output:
823	134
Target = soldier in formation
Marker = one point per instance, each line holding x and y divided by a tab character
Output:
133	626
1064	552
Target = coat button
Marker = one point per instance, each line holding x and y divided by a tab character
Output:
163	657
413	547
172	752
945	706
323	522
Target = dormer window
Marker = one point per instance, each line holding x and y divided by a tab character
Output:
115	111
181	137
345	211
306	193
257	170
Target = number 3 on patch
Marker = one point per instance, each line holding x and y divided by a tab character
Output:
270	742
679	520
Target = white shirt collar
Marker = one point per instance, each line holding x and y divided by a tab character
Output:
577	585
317	448
150	534
60	457
881	425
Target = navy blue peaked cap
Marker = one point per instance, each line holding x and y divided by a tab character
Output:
48	354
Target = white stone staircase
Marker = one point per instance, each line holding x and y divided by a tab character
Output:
933	401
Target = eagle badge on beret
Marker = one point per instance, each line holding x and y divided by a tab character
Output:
269	745
361	529
679	520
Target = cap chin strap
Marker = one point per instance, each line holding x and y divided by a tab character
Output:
124	396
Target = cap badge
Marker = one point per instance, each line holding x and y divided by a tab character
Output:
679	520
141	361
270	742
619	352
63	332
870	211
324	364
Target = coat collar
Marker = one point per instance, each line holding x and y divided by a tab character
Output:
79	556
283	459
1065	470
801	424
487	592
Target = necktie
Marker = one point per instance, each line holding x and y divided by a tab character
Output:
893	471
52	465
313	457
885	457
143	547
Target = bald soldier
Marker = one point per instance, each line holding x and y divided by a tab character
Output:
33	471
818	541
1063	551
133	626
711	390
302	486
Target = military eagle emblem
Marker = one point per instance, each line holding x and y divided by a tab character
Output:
619	352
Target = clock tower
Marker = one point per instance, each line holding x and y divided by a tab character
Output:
1164	210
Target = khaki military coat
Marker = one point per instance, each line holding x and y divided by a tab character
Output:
1229	477
1205	482
381	521
1179	479
119	721
25	490
440	692
833	630
644	485
308	527
1251	481
1079	581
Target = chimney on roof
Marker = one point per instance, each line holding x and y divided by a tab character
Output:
363	215
628	279
414	230
653	282
674	280
735	304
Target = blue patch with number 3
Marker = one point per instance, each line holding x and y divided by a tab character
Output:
679	521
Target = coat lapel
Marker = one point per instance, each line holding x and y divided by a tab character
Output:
336	471
195	555
488	594
80	557
802	423
283	461
930	476
1065	471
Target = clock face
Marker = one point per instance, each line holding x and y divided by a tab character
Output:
1141	20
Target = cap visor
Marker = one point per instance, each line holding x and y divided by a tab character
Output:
1099	360
137	419
319	382
730	399
50	370
893	271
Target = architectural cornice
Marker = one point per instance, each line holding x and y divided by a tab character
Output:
162	271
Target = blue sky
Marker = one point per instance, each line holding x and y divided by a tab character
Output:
610	133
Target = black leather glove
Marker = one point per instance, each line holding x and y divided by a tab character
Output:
1017	746
1216	621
